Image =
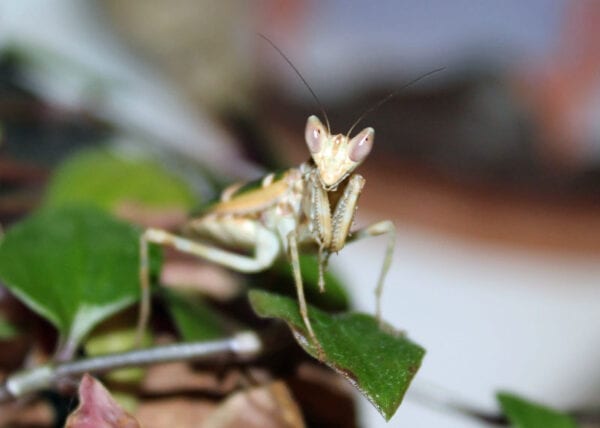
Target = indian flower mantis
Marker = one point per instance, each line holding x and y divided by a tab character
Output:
308	208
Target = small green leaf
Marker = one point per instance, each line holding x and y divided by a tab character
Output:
194	318
75	266
524	414
380	363
106	179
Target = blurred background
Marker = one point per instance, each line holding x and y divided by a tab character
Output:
490	168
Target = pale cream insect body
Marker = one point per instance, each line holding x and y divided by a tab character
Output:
309	208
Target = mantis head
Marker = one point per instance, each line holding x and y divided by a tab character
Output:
336	156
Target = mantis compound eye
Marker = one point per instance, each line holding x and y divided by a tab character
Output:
314	134
361	144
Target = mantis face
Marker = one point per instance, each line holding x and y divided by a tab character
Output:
336	156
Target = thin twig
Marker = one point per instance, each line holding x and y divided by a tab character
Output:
239	347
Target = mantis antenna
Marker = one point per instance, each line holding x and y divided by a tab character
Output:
391	95
284	56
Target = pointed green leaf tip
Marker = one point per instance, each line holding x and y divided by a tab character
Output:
74	266
380	364
522	413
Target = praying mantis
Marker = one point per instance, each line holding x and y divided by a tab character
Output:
310	207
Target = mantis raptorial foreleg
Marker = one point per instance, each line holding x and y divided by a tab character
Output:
267	248
331	230
319	214
344	212
376	229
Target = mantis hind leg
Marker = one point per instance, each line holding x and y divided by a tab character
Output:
267	248
376	229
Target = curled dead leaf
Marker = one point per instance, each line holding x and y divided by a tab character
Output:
97	408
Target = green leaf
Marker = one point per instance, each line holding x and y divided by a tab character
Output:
280	280
524	414
75	266
194	318
105	179
380	363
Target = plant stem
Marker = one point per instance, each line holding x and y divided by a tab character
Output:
239	347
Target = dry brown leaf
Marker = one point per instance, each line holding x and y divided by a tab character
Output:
267	406
181	377
174	412
37	413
